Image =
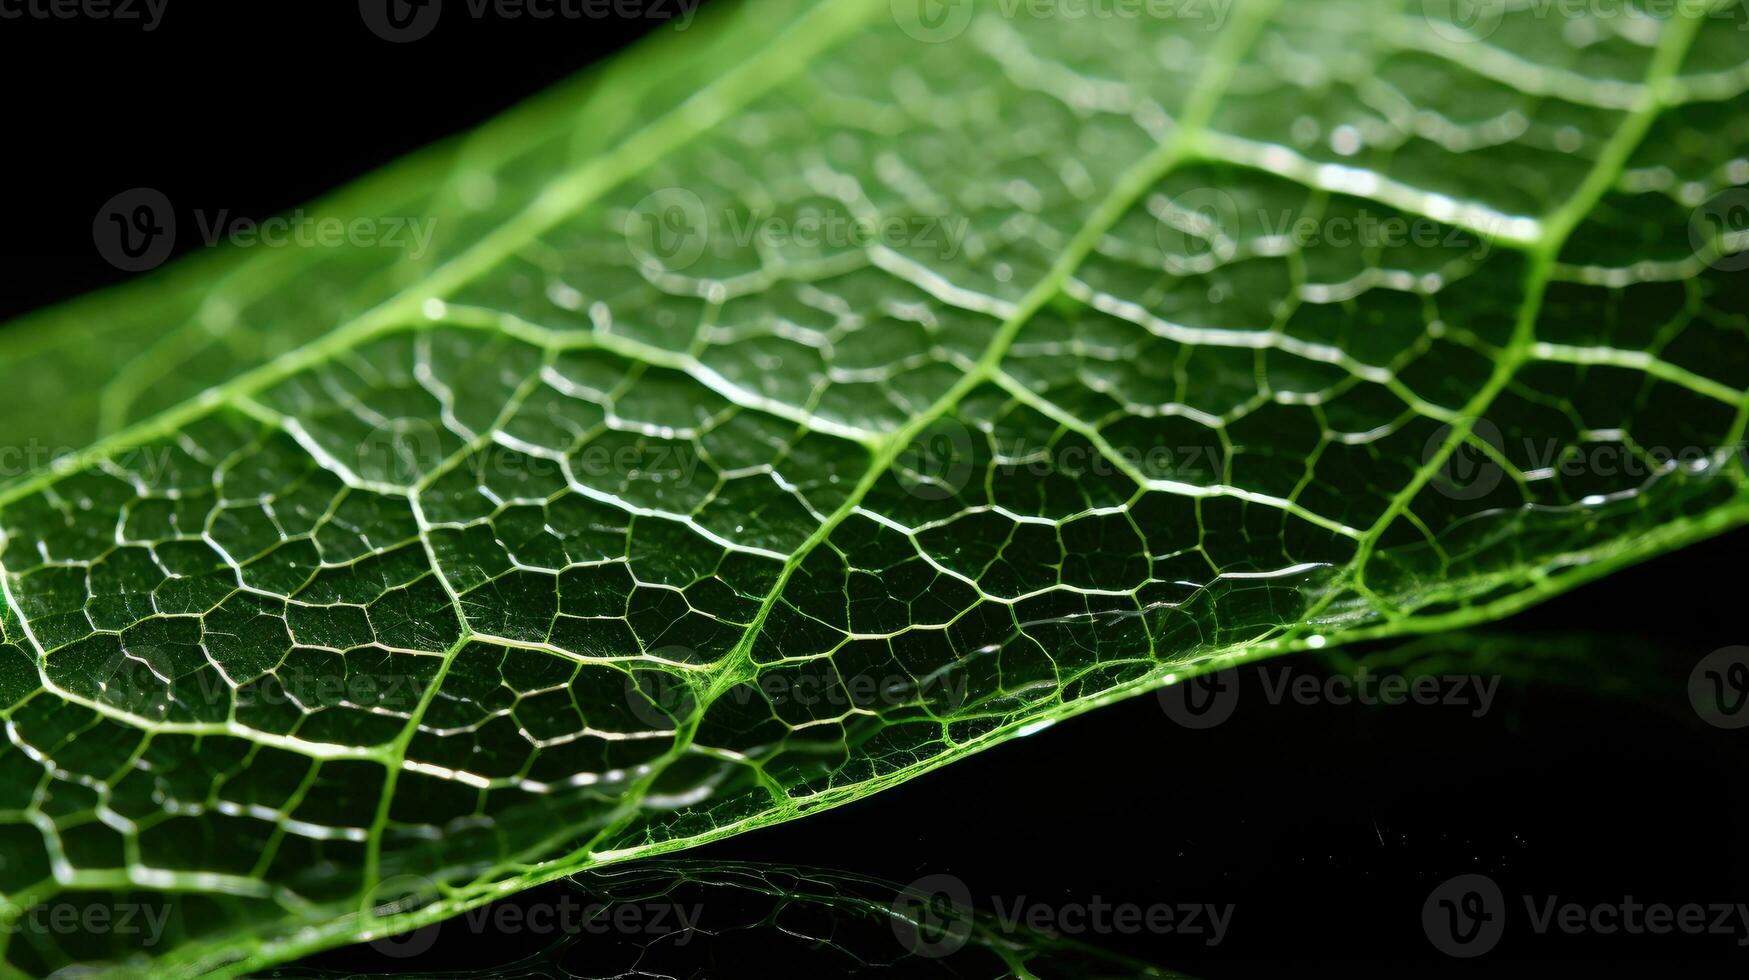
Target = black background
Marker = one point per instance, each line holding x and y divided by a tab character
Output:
1326	825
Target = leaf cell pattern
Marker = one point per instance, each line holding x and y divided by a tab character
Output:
631	516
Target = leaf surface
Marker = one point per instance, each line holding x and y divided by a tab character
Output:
635	513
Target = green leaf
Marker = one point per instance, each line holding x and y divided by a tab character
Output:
803	402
